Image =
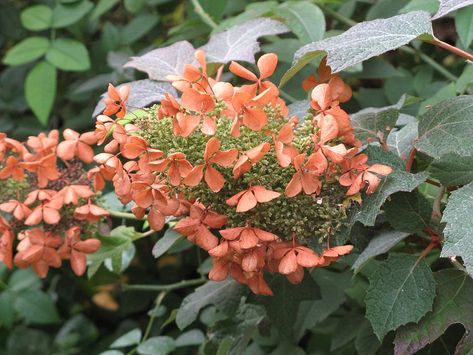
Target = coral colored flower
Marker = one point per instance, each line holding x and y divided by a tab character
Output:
250	158
195	227
185	124
249	111
6	246
283	147
45	211
42	144
324	72
306	177
247	199
333	254
12	168
90	213
77	145
146	188
266	65
115	102
248	237
19	210
196	101
212	155
71	194
39	195
39	249
369	175
76	250
179	167
45	169
103	128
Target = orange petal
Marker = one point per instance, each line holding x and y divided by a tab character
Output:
242	72
288	263
195	176
267	65
246	202
264	195
214	179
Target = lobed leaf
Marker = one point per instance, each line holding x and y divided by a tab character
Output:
401	141
408	211
240	42
363	41
447	128
402	290
381	243
451	306
458	232
452	169
447	6
225	295
142	94
161	62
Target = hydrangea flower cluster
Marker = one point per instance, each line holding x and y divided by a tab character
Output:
47	210
252	186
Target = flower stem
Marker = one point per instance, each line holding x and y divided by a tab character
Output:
167	288
410	159
205	17
119	214
157	303
436	207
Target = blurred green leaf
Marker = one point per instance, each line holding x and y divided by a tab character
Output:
26	51
7	310
37	17
101	8
40	90
76	332
67	14
169	238
68	54
191	337
133	337
138	27
464	25
304	18
134	6
161	345
214	8
36	307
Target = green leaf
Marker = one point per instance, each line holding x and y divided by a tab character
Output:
447	6
465	80
112	247
458	232
431	6
190	338
283	306
398	180
401	291
346	329
215	9
133	337
447	128
169	238
366	342
68	54
464	25
225	295
381	243
451	306
40	90
37	18
304	18
240	42
364	41
23	279
237	330
408	212
134	6
161	345
370	122
36	307
68	14
401	141
452	169
102	7
26	51
76	331
138	27
332	288
7	310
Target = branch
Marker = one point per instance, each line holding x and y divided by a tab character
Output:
167	288
119	214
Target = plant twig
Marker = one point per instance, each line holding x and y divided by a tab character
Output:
157	303
457	51
437	206
205	17
119	214
167	288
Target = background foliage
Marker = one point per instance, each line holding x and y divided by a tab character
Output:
58	57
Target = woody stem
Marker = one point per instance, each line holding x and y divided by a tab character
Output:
459	52
167	288
410	159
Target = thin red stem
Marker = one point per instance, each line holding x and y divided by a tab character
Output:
410	159
450	48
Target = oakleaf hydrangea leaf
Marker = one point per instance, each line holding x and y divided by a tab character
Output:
451	306
452	169
225	295
363	41
161	62
408	211
380	244
402	290
401	141
240	42
447	6
447	128
398	180
458	233
142	93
